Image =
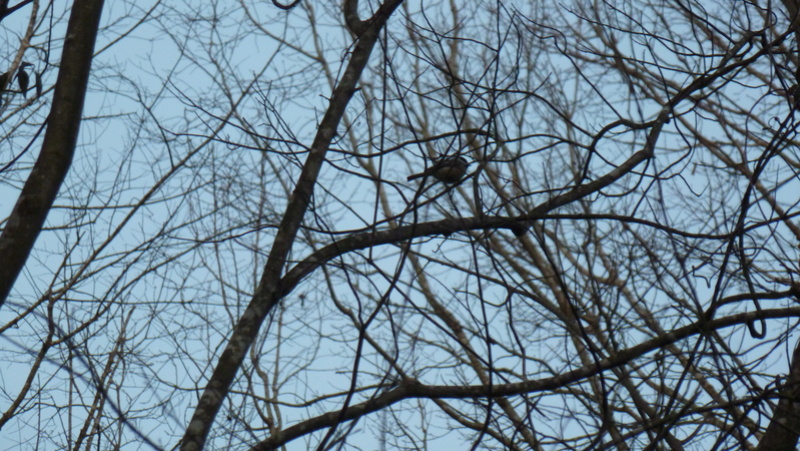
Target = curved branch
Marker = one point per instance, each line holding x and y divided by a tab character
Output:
285	7
354	24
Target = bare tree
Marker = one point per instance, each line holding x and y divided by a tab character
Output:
506	225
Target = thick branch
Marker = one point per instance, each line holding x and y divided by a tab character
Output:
354	24
784	428
268	291
58	147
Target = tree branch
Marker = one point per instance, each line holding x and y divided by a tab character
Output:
268	292
410	389
41	187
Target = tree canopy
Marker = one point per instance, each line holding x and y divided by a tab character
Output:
224	225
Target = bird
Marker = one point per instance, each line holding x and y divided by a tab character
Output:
447	169
3	81
23	79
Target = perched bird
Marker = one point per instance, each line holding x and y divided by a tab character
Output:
3	81
23	79
445	169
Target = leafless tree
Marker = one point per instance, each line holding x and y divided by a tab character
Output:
240	254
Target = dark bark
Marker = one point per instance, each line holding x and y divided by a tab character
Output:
51	167
784	428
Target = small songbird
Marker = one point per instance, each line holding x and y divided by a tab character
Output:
445	169
23	79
